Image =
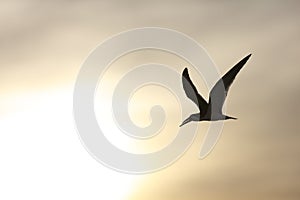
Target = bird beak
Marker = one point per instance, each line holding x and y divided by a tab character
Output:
185	121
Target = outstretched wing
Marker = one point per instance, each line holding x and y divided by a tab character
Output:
218	93
191	91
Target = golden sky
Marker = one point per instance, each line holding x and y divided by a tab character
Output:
44	43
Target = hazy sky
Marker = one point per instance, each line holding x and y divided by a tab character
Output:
44	43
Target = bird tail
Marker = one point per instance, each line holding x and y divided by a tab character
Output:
228	117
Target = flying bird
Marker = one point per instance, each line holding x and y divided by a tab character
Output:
211	111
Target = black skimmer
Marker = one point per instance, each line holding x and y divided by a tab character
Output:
211	111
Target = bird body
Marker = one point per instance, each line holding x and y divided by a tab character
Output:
211	111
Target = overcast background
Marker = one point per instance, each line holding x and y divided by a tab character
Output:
44	43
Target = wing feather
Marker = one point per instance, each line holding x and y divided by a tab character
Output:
191	91
219	92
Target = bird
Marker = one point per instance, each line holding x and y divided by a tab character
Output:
211	111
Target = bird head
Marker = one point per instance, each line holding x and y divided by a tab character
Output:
193	117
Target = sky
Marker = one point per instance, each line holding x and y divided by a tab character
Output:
44	44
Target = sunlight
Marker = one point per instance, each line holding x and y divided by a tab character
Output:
42	155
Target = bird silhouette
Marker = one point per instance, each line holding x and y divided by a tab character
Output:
211	111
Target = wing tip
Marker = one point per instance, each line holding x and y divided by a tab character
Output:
185	72
249	55
244	60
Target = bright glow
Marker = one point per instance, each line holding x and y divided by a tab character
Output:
139	111
42	157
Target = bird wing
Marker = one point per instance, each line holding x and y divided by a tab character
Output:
219	92
191	91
